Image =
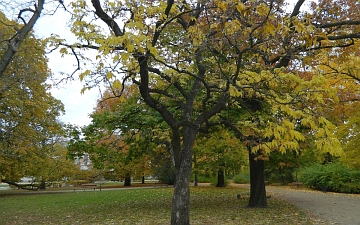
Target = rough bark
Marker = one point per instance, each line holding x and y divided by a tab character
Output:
257	182
180	213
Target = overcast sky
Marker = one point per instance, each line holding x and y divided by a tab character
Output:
77	106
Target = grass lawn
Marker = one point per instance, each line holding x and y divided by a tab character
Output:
209	206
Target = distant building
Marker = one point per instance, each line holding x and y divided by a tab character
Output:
84	162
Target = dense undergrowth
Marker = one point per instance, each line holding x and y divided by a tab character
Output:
333	177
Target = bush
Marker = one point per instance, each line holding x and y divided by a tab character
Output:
209	179
331	177
206	179
243	178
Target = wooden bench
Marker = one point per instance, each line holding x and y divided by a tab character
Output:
295	185
84	186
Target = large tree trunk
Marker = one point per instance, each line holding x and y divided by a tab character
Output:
257	182
221	179
180	213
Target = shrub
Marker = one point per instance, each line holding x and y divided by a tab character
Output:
208	179
332	177
243	178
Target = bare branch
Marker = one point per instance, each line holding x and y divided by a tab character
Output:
106	18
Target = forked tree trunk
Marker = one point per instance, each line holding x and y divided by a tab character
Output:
257	182
180	213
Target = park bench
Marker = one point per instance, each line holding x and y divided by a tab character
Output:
295	185
84	186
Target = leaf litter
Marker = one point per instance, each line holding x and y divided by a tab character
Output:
209	205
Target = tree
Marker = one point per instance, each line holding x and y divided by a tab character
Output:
344	75
219	152
188	58
14	40
121	136
28	112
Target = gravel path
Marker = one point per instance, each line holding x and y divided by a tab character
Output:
326	208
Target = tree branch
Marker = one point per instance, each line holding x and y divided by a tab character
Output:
15	42
297	7
337	24
106	18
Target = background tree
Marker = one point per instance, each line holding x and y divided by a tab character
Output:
121	136
188	58
345	76
28	112
219	153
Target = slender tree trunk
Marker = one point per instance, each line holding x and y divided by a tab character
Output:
127	180
42	185
196	175
180	213
196	182
257	182
221	179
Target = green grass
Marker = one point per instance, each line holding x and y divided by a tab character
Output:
209	205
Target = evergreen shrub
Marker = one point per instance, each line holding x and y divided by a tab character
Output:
242	178
333	177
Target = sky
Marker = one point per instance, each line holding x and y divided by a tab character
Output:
77	106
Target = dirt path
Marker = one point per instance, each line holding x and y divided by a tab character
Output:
327	208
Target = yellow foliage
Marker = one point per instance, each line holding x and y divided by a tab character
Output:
262	9
117	84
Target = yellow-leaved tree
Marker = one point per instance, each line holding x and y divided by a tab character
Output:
28	114
341	66
193	59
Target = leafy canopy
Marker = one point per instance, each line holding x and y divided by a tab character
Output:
28	112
